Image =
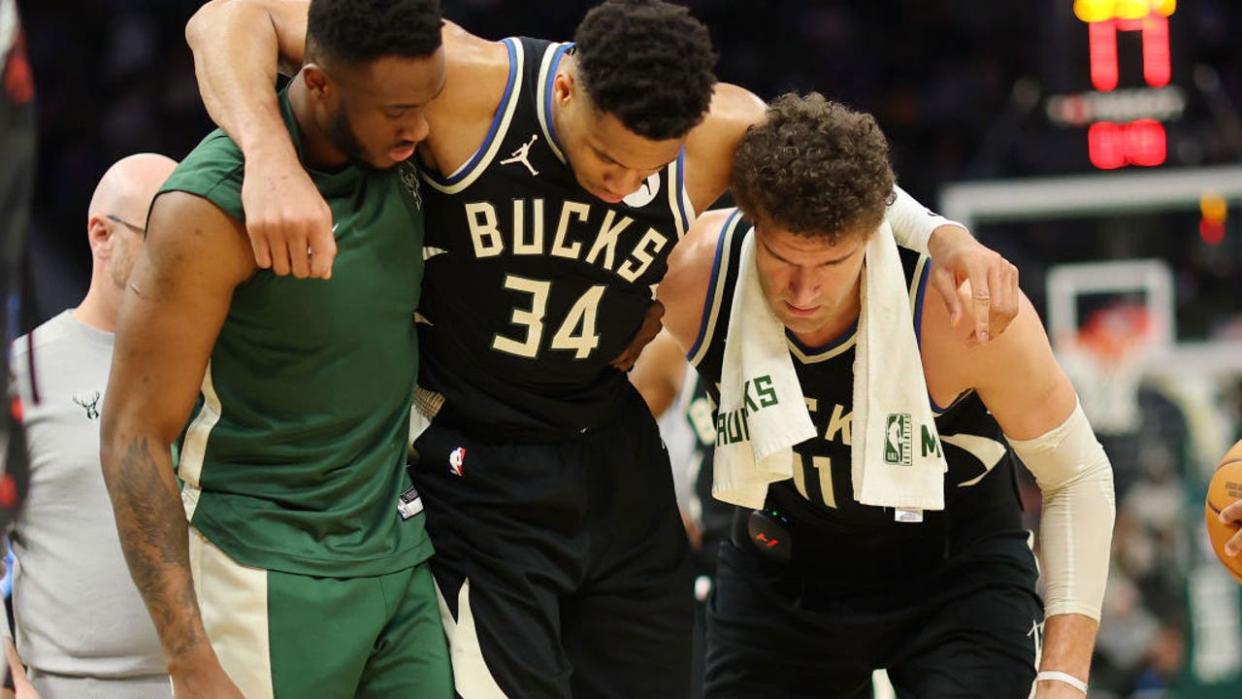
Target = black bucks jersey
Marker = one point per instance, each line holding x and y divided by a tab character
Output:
532	284
980	478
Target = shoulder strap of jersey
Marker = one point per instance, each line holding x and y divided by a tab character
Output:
542	73
678	197
719	299
465	175
918	269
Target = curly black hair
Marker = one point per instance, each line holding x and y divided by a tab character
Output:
648	63
814	167
361	31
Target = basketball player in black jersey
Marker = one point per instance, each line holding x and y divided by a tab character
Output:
947	605
686	415
557	180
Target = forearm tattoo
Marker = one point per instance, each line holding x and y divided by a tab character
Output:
154	537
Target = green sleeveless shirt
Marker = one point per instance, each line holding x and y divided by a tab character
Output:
294	458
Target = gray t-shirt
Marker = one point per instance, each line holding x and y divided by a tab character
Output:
76	607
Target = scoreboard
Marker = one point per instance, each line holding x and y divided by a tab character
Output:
1125	111
1142	142
1123	85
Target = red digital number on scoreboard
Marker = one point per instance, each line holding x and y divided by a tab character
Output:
1140	142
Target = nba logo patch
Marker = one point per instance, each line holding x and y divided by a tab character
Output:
897	440
457	460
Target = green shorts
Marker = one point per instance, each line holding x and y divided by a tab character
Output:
289	636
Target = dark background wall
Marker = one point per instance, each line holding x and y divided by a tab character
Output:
115	77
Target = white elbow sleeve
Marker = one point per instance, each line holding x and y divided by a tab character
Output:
1076	529
912	222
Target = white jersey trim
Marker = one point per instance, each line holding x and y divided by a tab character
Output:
834	349
715	289
547	70
676	194
465	176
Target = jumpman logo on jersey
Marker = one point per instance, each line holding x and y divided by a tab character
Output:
522	155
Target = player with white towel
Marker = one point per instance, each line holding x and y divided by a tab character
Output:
870	452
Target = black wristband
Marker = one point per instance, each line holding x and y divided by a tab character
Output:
8	680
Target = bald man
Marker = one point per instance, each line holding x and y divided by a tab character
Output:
82	629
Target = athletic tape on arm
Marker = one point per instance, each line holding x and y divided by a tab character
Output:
1076	530
912	222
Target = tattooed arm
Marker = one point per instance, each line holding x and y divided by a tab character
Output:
176	301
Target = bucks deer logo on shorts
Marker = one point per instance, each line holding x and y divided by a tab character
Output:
90	402
897	449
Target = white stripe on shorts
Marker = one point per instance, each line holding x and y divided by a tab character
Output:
471	675
233	601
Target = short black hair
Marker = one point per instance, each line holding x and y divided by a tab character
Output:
814	167
361	31
648	63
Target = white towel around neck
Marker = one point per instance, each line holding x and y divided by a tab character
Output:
763	415
896	459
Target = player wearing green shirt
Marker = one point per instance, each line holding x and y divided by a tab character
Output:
302	571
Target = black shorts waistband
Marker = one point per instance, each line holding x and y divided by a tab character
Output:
625	410
836	554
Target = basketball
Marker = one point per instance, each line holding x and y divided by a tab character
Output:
1224	489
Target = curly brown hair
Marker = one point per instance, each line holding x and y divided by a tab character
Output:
814	167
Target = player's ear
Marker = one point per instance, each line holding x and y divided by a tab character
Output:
316	80
564	85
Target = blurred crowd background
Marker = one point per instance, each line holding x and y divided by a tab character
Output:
962	88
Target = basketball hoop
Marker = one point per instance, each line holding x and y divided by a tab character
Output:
1105	362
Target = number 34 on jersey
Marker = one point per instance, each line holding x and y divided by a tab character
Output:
599	241
576	333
